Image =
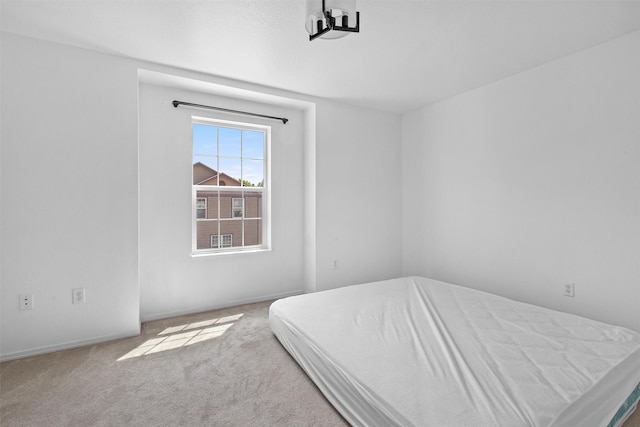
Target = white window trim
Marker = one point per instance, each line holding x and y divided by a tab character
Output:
265	189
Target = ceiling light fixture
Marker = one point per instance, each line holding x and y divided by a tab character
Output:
332	20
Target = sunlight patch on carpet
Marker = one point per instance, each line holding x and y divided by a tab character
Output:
183	336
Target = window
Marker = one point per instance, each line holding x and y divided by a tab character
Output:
230	188
238	208
201	208
224	241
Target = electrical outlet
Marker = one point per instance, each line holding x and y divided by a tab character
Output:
569	290
26	301
78	296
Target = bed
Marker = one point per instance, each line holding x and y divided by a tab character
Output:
418	352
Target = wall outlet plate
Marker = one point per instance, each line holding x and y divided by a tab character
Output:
78	296
569	290
25	301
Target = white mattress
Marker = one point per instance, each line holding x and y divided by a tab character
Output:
415	351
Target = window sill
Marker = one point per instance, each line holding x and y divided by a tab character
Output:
201	254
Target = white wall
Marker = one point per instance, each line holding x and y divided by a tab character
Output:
69	223
69	196
531	182
359	199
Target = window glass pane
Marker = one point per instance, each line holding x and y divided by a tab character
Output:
230	172
253	144
252	232
205	139
226	199
204	231
253	173
207	204
253	204
204	170
234	228
229	142
208	161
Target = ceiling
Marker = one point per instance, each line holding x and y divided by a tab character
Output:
408	53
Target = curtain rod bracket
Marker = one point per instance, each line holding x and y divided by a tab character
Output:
227	110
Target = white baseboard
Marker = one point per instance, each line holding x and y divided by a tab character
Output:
66	346
166	315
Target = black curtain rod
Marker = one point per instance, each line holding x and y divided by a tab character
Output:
176	103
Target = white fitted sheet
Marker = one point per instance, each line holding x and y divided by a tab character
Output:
415	351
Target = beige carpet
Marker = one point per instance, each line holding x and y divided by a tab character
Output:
220	368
